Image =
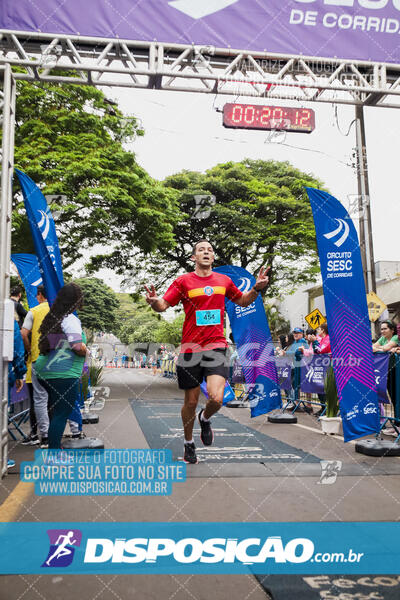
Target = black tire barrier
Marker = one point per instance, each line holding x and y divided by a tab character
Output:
378	447
89	418
83	444
282	418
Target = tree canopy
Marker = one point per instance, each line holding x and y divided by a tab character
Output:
261	216
99	311
170	332
70	141
137	321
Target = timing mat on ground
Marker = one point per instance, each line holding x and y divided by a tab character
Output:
234	443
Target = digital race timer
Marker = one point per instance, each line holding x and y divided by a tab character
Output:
256	116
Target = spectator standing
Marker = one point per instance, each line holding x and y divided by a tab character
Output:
62	346
324	347
38	396
286	341
15	295
311	338
293	350
324	342
388	340
16	370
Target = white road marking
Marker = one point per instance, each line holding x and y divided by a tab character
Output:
335	435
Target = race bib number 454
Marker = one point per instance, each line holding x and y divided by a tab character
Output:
208	317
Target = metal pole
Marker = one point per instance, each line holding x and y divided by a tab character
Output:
366	243
5	244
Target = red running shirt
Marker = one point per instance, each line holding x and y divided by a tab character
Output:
202	294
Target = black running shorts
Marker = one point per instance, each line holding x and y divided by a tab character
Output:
192	368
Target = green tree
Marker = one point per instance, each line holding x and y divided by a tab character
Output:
170	332
70	141
99	312
277	323
128	307
138	322
261	216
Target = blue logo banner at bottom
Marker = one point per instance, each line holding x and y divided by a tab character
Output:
259	548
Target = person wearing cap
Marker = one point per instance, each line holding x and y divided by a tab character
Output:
294	350
299	342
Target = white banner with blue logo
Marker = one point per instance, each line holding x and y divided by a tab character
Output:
150	548
28	270
253	339
347	315
313	373
44	236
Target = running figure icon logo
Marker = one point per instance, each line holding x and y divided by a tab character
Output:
62	547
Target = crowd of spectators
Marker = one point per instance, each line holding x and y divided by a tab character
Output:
44	392
50	350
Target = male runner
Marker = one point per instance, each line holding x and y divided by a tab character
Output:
203	347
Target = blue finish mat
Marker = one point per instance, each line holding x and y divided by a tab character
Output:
234	443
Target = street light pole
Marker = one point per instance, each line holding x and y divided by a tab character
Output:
365	225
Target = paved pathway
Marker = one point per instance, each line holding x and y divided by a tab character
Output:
274	475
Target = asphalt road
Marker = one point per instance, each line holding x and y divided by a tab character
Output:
255	471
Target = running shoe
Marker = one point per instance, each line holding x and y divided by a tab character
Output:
31	440
206	434
10	463
44	443
190	454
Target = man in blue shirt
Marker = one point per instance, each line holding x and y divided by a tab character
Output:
298	342
295	352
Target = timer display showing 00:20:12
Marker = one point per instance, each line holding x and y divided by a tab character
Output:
253	116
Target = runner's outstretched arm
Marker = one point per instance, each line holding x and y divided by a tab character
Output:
260	284
156	303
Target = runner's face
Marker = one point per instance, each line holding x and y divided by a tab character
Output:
204	255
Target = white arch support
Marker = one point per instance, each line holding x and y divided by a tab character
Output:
7	107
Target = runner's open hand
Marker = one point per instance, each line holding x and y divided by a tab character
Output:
262	279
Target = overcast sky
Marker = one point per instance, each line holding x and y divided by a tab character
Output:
185	131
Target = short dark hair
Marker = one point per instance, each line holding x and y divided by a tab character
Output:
324	327
15	291
41	290
311	332
196	244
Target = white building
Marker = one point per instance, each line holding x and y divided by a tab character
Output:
295	307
